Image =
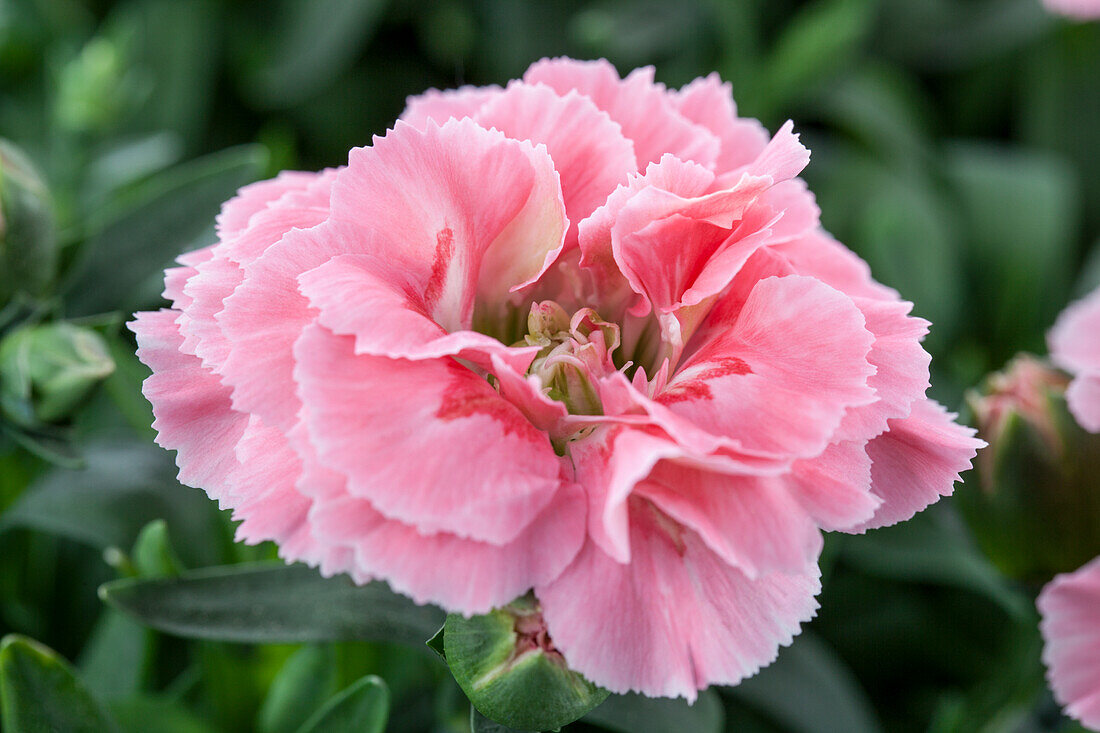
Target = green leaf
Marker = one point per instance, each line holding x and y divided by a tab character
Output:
124	486
819	40
140	236
1021	211
148	714
39	692
305	681
829	695
934	547
364	707
311	44
436	643
509	676
117	657
270	602
633	713
153	556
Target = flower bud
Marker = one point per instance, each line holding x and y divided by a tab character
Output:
1034	508
507	665
47	370
28	237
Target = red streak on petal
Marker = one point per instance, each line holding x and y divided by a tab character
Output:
444	251
696	388
467	397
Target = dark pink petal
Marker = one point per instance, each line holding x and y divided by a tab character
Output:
589	151
439	106
676	618
708	101
1070	607
192	411
645	110
429	442
916	461
782	374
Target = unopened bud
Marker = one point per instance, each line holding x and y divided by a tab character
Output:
506	663
46	371
1034	508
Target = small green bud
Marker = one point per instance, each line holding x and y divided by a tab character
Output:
510	670
28	235
47	370
1034	507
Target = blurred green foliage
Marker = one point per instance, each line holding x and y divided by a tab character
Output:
955	147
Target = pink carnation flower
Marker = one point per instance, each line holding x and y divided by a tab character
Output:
1075	346
1070	607
1080	9
581	334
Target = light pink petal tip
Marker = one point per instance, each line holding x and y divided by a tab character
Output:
1075	346
1070	608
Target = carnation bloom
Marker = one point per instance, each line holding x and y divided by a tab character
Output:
1070	607
581	334
1080	9
1075	346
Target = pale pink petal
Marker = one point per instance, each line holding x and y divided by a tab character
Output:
439	106
589	151
644	109
1070	608
781	376
422	566
676	618
916	461
1083	399
460	211
214	281
175	278
192	411
428	442
1075	346
819	255
255	197
1079	9
708	101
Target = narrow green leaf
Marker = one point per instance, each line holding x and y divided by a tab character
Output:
116	659
39	692
436	643
829	695
153	556
271	602
633	713
305	681
364	707
157	221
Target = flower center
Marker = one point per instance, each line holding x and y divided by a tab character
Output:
575	352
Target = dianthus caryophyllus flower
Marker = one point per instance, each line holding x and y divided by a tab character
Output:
1075	346
1080	9
582	334
1070	607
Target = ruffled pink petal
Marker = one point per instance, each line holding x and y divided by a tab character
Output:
589	151
192	411
429	443
263	493
213	282
676	618
916	461
175	278
1075	346
459	211
645	110
752	523
818	255
354	297
439	106
255	197
835	487
781	375
422	566
1070	608
708	101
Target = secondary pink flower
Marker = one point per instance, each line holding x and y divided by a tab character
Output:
1080	9
1075	346
1070	607
581	334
